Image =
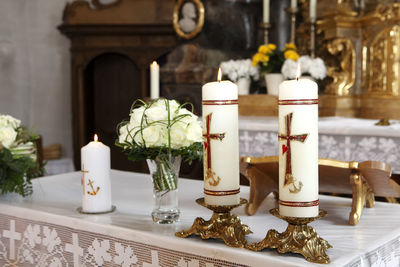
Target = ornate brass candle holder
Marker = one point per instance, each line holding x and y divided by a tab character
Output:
298	238
222	225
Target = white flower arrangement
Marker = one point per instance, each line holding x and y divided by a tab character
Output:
315	67
8	130
159	131
18	157
164	125
237	69
149	126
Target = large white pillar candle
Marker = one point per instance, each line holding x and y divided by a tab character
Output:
266	11
154	80
313	10
96	184
298	148
221	143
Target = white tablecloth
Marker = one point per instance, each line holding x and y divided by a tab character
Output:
45	230
58	166
346	139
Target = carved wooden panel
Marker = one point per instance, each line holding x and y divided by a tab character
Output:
140	31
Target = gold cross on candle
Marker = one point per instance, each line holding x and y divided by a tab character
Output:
207	146
83	178
286	149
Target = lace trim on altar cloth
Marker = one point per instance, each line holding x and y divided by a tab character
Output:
340	147
33	243
387	255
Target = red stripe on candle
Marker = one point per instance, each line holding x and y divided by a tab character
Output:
299	204
221	102
298	102
221	193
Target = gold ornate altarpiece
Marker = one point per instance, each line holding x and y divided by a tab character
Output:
362	54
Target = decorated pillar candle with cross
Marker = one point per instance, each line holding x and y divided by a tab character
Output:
298	148
221	143
95	180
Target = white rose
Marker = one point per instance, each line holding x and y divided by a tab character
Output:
156	113
194	132
136	116
154	135
9	121
178	136
173	105
189	118
7	136
124	135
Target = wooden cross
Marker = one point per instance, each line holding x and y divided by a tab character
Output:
83	178
286	149
94	192
207	146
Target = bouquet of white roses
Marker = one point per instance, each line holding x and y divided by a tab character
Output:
237	69
18	157
158	131
315	67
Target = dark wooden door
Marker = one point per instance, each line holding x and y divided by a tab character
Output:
113	82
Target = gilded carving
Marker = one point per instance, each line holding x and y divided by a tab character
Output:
222	225
343	76
384	65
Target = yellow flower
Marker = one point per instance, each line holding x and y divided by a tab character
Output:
290	46
290	54
263	49
271	47
256	59
264	58
254	62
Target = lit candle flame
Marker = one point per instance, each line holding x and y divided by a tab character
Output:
219	75
154	63
298	72
96	138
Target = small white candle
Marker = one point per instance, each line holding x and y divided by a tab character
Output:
293	4
266	11
313	10
298	148
221	143
96	185
154	80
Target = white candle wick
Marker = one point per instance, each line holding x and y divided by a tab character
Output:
219	76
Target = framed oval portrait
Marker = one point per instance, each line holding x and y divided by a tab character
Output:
188	18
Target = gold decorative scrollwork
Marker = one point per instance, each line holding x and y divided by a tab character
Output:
344	76
384	59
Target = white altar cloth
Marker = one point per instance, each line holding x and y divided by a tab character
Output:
46	230
347	139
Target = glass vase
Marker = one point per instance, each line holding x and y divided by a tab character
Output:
164	171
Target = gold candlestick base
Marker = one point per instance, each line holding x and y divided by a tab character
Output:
298	238
222	225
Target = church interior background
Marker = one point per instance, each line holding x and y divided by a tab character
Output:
49	48
70	69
